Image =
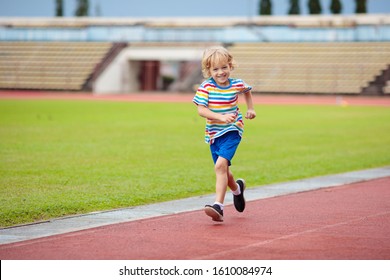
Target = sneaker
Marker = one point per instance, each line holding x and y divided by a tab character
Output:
239	200
214	212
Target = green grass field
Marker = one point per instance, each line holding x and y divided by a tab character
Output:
60	158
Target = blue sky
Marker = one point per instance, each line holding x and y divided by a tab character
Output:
171	8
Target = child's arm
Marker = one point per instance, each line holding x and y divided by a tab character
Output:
250	113
207	113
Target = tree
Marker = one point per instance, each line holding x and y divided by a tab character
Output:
361	7
82	8
265	7
294	8
59	8
336	7
314	7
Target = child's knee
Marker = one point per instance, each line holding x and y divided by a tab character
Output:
221	165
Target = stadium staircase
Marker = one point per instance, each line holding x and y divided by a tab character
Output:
53	65
328	68
380	85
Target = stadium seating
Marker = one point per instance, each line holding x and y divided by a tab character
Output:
387	88
329	68
49	65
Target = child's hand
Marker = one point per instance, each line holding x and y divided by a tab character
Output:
250	114
228	118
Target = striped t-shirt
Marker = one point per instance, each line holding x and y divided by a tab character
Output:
223	100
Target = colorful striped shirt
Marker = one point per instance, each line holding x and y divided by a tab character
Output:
223	100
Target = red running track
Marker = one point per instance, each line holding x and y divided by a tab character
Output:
180	97
347	222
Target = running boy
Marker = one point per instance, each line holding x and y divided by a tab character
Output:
217	100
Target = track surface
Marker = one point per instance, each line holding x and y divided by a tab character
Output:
177	97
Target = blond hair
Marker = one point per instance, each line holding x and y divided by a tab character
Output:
213	56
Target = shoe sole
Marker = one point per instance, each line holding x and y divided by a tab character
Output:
211	212
242	192
243	181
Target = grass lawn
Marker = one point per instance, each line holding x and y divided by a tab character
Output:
65	157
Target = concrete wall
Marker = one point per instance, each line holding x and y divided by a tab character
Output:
121	76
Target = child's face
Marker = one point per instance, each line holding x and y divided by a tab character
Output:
220	72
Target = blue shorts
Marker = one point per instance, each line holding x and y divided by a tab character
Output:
225	146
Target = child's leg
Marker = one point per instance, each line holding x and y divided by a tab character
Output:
231	182
222	179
